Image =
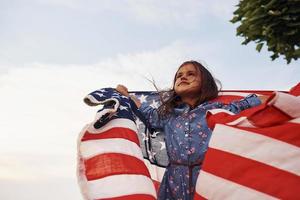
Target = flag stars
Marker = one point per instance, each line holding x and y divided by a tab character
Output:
138	122
154	104
163	145
142	98
145	138
154	134
102	91
100	95
116	96
123	108
124	97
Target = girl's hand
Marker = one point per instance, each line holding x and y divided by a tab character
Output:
123	90
263	98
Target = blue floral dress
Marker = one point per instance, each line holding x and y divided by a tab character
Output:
187	136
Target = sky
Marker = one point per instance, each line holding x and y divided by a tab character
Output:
54	52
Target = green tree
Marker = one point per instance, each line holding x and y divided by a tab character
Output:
275	23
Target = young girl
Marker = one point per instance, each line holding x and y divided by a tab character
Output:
182	117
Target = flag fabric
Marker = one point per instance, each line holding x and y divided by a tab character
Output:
252	155
110	161
255	154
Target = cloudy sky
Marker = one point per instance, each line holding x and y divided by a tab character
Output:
54	52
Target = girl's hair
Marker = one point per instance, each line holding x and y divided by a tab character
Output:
209	90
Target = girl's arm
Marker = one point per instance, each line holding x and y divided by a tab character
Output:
263	98
150	114
248	102
124	91
135	100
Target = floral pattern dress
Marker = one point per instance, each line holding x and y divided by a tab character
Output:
187	136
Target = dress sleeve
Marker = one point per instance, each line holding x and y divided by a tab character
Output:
152	117
248	102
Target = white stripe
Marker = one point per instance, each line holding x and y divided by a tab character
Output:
241	94
287	103
220	110
91	101
156	172
296	121
81	134
81	178
120	185
92	148
115	123
213	187
258	147
242	122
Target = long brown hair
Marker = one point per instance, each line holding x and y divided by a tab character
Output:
209	90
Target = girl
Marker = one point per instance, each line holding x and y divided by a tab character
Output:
182	117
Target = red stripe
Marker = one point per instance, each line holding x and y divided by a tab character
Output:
295	90
229	98
198	197
287	132
269	116
260	116
132	197
253	174
262	92
113	163
118	132
156	185
223	117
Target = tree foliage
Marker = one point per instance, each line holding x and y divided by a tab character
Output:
275	23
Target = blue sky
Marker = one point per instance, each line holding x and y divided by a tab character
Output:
54	52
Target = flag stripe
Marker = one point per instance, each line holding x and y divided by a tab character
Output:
101	166
227	97
118	122
156	172
132	197
120	185
250	173
198	197
296	121
156	185
244	93
223	116
234	94
123	133
257	147
241	122
287	104
222	112
276	132
214	187
269	116
115	145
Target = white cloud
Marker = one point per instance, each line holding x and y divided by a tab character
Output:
221	9
42	113
166	12
37	166
169	12
47	189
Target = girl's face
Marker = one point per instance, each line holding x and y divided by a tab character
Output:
187	81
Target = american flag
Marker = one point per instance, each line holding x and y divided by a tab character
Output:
110	160
252	155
